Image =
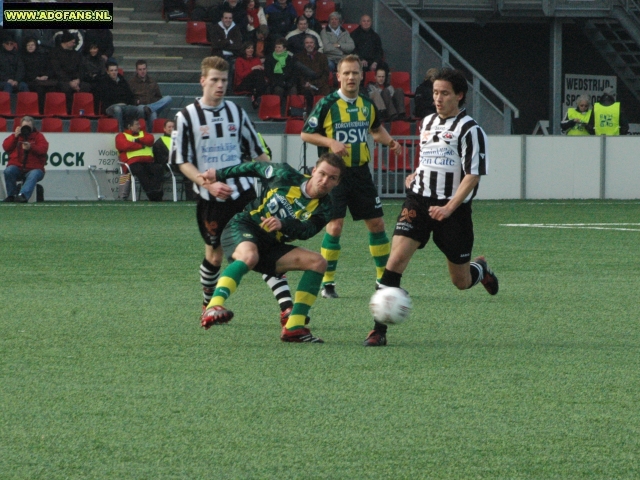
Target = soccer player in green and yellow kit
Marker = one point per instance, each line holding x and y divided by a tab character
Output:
293	206
341	123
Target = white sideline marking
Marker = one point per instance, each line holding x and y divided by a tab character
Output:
582	226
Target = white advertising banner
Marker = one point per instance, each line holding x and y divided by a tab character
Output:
592	85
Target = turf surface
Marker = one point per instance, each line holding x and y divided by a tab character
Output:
105	372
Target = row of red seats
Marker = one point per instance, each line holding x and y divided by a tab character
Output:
83	125
55	105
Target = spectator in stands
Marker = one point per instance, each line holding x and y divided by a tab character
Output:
43	36
318	62
11	67
309	12
423	99
281	17
77	34
577	119
238	11
136	149
117	98
66	65
336	40
279	68
260	40
94	67
608	118
255	15
146	92
388	100
37	70
162	145
249	75
226	42
103	38
295	38
27	149
368	46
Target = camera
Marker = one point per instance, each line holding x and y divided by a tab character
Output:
25	131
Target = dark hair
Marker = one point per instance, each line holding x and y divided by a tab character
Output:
302	17
140	62
110	63
256	4
169	120
281	41
309	5
456	79
333	160
128	121
245	45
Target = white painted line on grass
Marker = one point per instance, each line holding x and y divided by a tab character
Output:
579	226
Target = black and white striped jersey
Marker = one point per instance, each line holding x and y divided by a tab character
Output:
217	138
450	148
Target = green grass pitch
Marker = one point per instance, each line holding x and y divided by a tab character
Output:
105	372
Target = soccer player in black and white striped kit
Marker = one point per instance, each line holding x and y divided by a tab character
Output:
214	133
453	156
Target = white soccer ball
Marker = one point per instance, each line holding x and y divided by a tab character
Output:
390	305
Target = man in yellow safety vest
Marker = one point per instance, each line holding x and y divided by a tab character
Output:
608	118
576	120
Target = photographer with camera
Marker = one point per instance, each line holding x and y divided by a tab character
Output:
27	149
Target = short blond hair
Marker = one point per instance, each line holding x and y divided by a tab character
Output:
351	58
215	63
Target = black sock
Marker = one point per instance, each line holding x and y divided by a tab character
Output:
476	273
390	279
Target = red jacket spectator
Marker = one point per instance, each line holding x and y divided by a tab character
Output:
135	147
36	156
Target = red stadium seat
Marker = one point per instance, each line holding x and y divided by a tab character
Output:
3	124
27	104
83	101
108	125
293	126
350	27
143	124
298	104
80	125
299	6
158	125
55	105
317	98
270	108
402	80
400	129
369	77
323	9
197	33
51	124
5	105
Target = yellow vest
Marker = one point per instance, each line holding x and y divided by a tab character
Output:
607	119
143	152
167	141
578	128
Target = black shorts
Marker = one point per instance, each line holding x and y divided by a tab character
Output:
213	216
453	235
242	229
356	191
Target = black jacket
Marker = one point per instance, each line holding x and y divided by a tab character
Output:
368	45
111	92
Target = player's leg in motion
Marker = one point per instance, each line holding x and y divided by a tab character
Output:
330	251
379	247
227	284
209	275
280	288
470	274
314	267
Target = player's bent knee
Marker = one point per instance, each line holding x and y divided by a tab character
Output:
317	264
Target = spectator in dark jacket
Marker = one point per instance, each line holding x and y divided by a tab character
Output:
37	70
310	13
103	39
368	46
27	157
238	11
66	65
423	100
281	18
117	98
11	67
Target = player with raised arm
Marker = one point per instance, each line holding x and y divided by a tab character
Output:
340	123
453	156
215	133
292	207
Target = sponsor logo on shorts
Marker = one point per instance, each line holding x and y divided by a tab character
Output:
407	215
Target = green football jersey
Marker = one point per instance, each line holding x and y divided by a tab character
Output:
284	196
